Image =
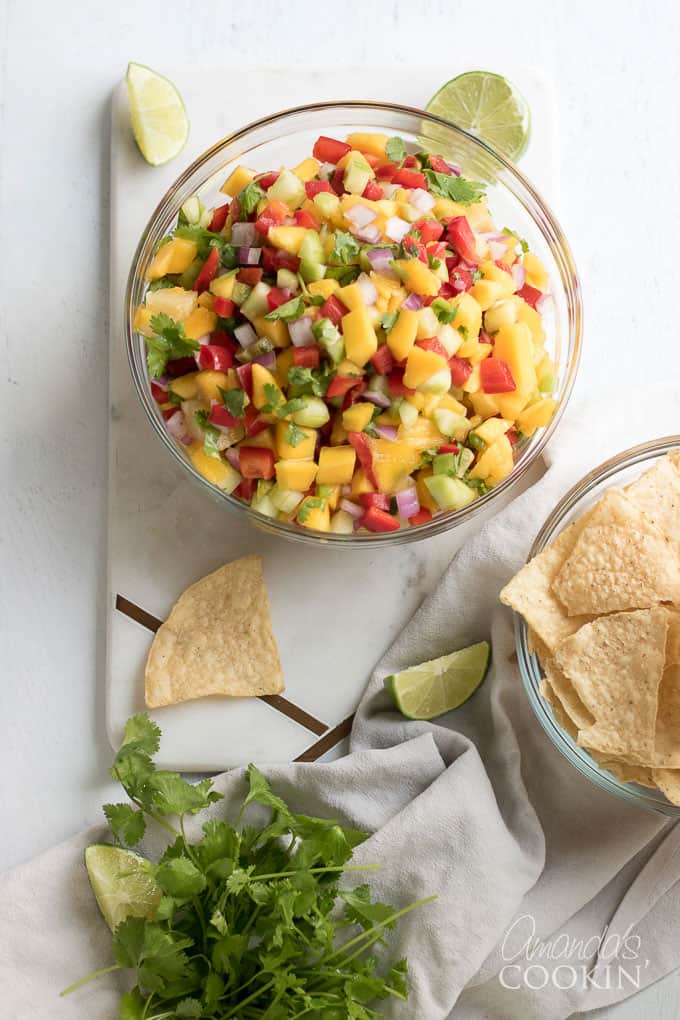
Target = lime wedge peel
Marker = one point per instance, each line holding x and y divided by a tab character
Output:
159	118
440	685
122	882
488	106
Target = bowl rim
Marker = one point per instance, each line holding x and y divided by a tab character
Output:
554	237
529	665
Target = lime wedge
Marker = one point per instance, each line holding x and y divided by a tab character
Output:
159	119
440	685
122	883
488	106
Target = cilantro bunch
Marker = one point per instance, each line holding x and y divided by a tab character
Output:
251	922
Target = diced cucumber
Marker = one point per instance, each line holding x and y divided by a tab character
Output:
357	175
192	210
342	523
240	293
439	383
409	414
288	188
465	459
448	422
327	204
256	303
449	338
188	277
449	493
547	383
330	338
379	384
265	506
311	257
313	415
444	464
285	500
284	278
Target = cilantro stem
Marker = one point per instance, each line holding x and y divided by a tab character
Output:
317	871
157	818
90	977
251	998
370	931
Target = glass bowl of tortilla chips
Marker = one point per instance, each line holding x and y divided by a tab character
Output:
598	625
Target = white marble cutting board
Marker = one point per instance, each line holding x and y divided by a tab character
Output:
334	612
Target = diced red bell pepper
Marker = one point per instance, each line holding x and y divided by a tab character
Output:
256	462
180	366
250	275
222	339
245	377
333	309
382	360
460	279
495	376
409	178
370	159
373	192
512	435
168	412
529	294
436	250
235	210
360	442
275	298
159	393
274	259
378	520
414	247
448	448
461	370
313	188
422	517
431	343
395	383
446	291
273	214
329	150
376	499
303	218
341	384
338	181
219	218
486	338
500	264
410	162
461	238
208	270
307	357
430	230
439	165
353	395
245	489
219	415
215	358
224	307
266	180
253	422
384	172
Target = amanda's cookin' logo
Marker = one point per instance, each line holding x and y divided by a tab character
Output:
565	962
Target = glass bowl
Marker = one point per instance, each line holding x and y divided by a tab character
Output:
285	138
617	472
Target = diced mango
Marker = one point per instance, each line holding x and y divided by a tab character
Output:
288	239
536	416
338	432
393	462
514	345
186	386
317	518
468	315
444	208
503	313
473	381
200	322
425	497
474	351
491	271
217	471
402	336
274	329
492	429
373	144
262	377
142	321
529	315
223	286
173	257
478	216
421	366
486	292
336	465
449	403
357	417
360	338
284	362
307	169
237	180
304	450
323	288
295	474
206	300
422	435
347	368
173	301
417	277
264	438
495	463
536	274
484	404
351	297
208	383
361	483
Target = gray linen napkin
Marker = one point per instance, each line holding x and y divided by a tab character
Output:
479	808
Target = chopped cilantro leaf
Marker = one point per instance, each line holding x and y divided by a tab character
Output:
309	504
292	309
249	198
234	401
458	189
443	310
169	344
345	249
388	320
210	434
295	435
524	245
464	331
206	239
314	382
395	150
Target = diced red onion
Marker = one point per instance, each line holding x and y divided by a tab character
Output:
386	432
351	508
457	284
493	235
368	289
519	275
249	256
421	200
454	168
396	228
497	250
245	334
300	331
244	235
177	427
244	373
408	503
345	490
205	339
379	399
389	190
360	215
161	380
380	259
413	302
267	360
369	234
326	171
233	456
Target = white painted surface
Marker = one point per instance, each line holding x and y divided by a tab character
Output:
617	80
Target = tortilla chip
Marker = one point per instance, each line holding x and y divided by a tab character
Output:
616	664
657	493
530	591
667	743
673	639
218	639
566	692
612	568
626	773
561	716
668	781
